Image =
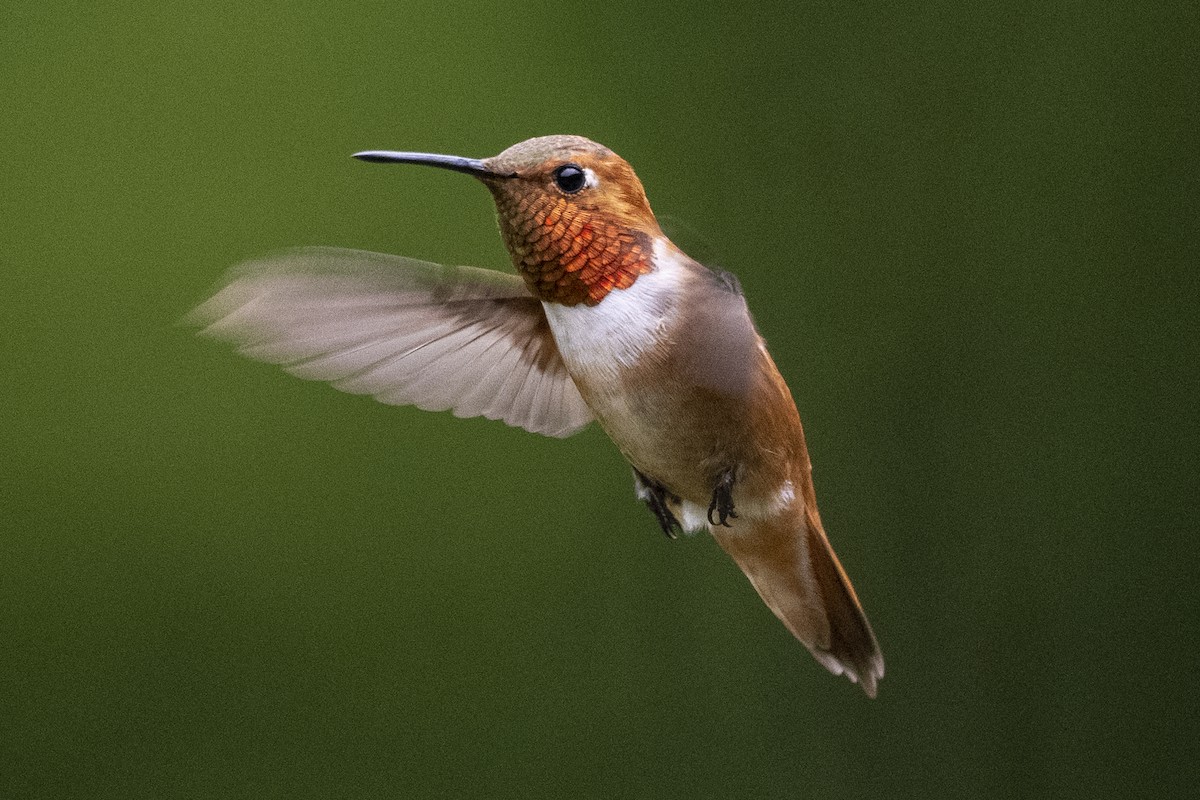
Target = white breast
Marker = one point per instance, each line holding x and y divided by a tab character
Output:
600	340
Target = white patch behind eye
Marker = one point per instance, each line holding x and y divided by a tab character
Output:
590	179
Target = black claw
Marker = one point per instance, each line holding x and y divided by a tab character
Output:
656	498
722	501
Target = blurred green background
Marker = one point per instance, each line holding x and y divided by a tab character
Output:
969	234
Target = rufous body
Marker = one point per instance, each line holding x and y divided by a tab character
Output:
613	322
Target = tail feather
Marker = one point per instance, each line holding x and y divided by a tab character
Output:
790	563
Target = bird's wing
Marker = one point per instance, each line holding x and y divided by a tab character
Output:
408	332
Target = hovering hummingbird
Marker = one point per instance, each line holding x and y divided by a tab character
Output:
608	321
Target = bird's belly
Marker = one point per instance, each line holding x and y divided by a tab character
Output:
640	429
664	437
675	394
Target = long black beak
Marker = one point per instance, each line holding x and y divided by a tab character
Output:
471	166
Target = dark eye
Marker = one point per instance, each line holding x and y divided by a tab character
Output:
570	178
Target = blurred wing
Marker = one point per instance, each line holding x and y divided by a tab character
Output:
408	332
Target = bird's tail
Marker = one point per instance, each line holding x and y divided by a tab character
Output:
789	561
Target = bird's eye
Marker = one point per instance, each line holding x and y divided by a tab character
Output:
570	178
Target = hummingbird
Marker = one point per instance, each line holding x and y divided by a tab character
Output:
607	320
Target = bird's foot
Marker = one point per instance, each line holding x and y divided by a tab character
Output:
657	498
722	501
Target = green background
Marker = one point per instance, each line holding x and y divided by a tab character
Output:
968	233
